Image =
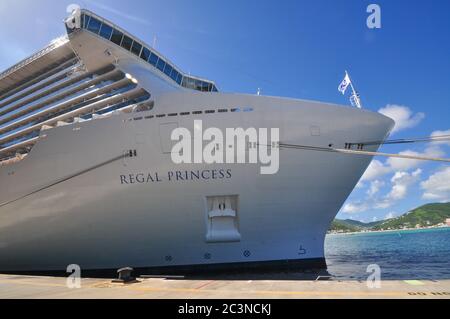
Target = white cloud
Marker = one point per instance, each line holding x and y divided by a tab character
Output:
383	203
375	187
390	215
401	183
353	208
402	115
360	185
437	186
375	170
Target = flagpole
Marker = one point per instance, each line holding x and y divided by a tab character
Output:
357	100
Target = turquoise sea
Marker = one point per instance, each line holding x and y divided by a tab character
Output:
413	254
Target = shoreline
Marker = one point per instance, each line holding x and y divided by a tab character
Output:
389	231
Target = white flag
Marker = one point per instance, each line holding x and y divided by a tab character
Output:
344	85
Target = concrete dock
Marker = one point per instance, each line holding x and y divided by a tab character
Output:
27	287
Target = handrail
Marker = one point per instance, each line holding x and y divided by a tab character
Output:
50	47
51	77
89	95
59	96
82	110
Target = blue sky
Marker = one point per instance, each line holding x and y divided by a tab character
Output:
297	49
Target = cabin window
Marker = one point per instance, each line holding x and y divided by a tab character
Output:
145	54
205	87
153	59
179	79
117	37
94	25
161	64
136	48
106	31
174	75
168	69
126	42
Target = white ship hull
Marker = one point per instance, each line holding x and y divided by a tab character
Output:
99	222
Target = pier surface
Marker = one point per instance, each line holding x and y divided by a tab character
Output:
25	287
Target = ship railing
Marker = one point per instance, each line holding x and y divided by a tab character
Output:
35	78
85	110
49	78
53	45
16	152
50	111
63	92
46	90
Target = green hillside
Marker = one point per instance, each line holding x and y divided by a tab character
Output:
358	224
424	216
340	226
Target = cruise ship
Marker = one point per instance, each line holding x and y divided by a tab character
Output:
87	175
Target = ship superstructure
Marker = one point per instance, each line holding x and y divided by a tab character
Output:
54	86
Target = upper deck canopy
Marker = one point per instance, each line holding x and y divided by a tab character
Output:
107	30
36	66
59	85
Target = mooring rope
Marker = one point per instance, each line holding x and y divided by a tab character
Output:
437	138
361	152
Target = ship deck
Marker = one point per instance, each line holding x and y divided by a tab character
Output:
26	287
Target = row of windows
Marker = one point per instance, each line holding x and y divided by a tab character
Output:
233	110
121	39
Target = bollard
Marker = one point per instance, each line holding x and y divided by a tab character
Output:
125	276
